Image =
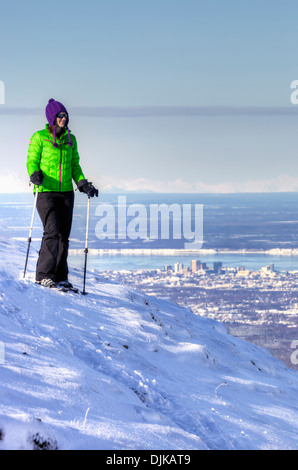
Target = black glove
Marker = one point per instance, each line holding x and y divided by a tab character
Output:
85	187
37	177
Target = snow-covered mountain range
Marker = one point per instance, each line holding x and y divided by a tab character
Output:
116	369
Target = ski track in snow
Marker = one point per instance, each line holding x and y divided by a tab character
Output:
117	369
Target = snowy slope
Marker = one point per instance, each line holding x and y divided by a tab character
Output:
118	370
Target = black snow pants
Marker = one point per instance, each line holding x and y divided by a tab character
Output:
55	210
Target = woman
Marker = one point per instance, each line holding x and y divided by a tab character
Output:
52	164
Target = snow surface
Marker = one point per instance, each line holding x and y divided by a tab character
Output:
117	369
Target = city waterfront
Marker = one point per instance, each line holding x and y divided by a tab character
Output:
146	259
260	306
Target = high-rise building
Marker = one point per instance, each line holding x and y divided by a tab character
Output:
195	265
217	266
178	267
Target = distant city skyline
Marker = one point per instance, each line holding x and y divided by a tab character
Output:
164	96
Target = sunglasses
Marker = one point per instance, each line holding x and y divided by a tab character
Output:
62	115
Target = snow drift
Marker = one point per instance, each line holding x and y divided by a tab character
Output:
120	370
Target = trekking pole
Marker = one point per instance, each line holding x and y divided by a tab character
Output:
86	246
30	231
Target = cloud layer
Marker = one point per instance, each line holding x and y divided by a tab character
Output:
162	111
14	182
282	183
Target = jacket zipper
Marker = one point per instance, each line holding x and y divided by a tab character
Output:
60	166
60	177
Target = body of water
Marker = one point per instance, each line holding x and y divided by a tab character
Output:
120	262
246	225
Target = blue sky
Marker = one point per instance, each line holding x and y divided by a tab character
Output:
145	82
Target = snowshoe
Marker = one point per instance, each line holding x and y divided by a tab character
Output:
49	283
67	285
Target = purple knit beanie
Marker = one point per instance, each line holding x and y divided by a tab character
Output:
52	109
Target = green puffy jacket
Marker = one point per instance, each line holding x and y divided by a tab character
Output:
59	165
